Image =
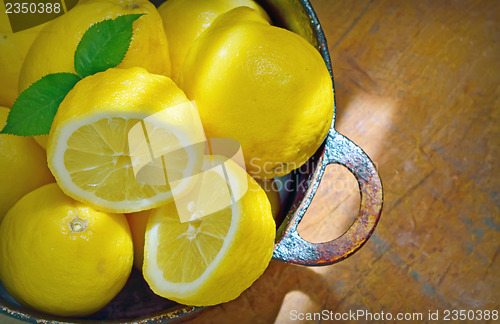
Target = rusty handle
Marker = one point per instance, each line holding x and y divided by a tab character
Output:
294	249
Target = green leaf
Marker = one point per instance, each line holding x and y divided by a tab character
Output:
104	45
35	108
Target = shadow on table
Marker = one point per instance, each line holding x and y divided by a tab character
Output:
264	302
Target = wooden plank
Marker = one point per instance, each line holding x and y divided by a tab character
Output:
417	87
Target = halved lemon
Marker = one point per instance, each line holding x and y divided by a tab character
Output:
110	137
214	257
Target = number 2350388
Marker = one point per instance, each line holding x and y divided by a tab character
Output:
32	7
477	315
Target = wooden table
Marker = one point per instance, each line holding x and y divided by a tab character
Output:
418	88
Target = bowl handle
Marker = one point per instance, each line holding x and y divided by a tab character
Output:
292	248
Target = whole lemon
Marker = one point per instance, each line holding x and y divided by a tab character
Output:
61	257
23	167
185	20
264	86
13	49
54	48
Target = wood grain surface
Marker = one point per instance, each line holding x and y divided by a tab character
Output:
418	88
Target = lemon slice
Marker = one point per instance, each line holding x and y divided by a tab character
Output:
213	258
90	149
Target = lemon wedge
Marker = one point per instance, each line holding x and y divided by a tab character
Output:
220	252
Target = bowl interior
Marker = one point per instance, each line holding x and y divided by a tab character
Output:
136	302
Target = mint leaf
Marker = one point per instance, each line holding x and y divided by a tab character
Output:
104	45
35	108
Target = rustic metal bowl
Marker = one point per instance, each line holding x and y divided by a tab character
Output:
136	303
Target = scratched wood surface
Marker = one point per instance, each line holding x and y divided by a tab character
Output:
418	88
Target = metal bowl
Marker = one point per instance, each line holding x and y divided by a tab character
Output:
137	303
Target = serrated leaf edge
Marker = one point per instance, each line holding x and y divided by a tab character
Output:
139	15
7	131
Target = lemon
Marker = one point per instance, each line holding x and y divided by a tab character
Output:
89	150
138	222
210	259
61	257
23	167
273	194
42	140
265	87
54	48
185	20
13	49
